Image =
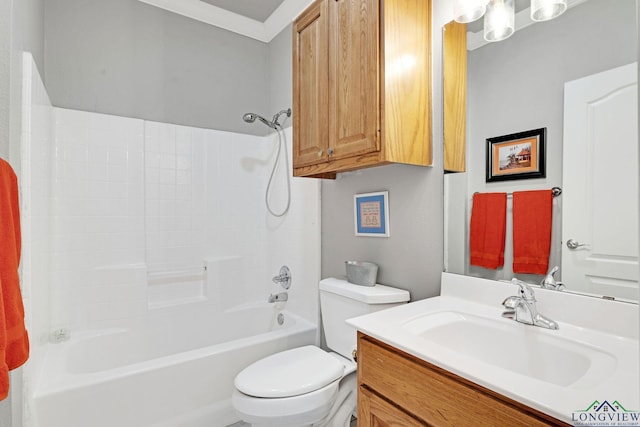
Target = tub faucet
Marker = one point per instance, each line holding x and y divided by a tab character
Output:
284	278
549	282
282	296
523	308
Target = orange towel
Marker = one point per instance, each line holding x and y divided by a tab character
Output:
532	231
14	343
488	225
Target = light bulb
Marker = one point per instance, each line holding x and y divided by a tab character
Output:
466	11
543	10
499	20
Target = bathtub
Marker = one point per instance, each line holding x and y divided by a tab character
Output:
161	372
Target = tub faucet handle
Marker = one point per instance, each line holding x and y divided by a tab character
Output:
284	278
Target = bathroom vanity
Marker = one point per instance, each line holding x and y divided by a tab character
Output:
397	388
454	360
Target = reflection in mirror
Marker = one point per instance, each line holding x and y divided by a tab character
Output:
518	85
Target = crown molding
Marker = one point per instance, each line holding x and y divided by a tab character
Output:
222	18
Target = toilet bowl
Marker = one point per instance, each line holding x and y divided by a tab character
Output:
308	386
297	387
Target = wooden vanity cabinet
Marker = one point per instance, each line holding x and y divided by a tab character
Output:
397	389
361	85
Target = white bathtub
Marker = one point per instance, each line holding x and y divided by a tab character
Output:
164	372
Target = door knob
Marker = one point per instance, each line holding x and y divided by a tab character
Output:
330	151
574	244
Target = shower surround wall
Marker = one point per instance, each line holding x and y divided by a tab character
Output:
141	208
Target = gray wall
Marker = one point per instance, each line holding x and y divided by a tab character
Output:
21	29
281	72
518	84
411	258
127	58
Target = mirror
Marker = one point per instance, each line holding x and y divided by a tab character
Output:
518	85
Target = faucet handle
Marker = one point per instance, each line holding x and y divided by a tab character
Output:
510	303
283	278
525	290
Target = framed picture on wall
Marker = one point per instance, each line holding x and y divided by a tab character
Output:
516	156
371	214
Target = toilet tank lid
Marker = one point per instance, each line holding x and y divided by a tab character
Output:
377	294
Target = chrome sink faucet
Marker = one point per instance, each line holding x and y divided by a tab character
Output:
549	282
522	308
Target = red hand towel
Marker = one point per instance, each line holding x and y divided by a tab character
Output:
14	343
532	212
488	225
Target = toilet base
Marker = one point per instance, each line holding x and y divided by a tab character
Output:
331	406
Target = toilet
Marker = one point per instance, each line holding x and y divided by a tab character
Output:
307	386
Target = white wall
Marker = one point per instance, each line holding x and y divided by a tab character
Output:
35	187
140	207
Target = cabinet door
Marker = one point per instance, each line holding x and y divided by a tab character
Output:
375	412
311	85
354	89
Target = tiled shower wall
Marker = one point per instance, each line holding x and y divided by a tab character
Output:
120	216
141	207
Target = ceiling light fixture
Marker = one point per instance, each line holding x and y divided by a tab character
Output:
499	15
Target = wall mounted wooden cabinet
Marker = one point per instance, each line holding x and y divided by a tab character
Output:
361	85
397	389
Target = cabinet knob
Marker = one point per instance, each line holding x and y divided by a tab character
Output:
330	151
320	153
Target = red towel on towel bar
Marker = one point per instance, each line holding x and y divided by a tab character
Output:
488	225
532	212
14	343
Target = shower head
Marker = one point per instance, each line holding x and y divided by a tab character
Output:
274	124
251	117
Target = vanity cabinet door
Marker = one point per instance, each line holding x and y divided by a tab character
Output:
376	412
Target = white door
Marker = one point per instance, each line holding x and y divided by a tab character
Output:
600	184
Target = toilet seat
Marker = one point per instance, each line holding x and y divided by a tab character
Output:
295	372
304	409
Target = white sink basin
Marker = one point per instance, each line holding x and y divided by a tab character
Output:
593	354
531	351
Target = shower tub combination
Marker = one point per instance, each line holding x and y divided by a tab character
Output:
162	372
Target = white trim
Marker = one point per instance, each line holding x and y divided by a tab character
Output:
283	15
222	18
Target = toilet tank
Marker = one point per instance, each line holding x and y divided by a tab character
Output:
341	300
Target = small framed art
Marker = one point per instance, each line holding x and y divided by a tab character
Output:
516	156
371	214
